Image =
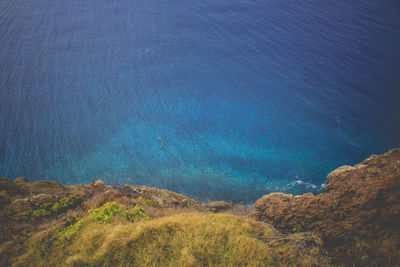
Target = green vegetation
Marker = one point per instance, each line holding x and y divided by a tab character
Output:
297	229
181	240
110	210
135	214
49	209
149	202
70	231
65	203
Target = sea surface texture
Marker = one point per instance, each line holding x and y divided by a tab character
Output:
215	99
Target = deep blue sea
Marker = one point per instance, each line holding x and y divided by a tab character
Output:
215	99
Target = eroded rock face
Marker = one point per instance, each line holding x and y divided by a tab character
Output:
358	217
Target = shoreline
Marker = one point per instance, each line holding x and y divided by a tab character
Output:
356	219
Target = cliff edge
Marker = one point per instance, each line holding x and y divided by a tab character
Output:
358	218
44	223
356	222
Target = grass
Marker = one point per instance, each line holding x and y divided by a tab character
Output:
191	239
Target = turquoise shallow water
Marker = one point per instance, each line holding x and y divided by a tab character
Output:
213	99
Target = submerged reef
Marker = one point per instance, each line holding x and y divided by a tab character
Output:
355	222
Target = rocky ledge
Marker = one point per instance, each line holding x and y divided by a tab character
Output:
358	218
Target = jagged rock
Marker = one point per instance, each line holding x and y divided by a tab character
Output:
358	217
217	206
129	191
43	198
161	197
98	183
158	200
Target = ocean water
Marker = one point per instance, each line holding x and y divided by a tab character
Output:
218	100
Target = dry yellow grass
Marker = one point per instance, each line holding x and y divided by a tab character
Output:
195	239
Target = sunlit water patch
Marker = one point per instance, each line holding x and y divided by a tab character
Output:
214	99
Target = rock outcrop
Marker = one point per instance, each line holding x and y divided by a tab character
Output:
358	217
217	206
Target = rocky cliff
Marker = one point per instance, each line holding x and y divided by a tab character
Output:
358	217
